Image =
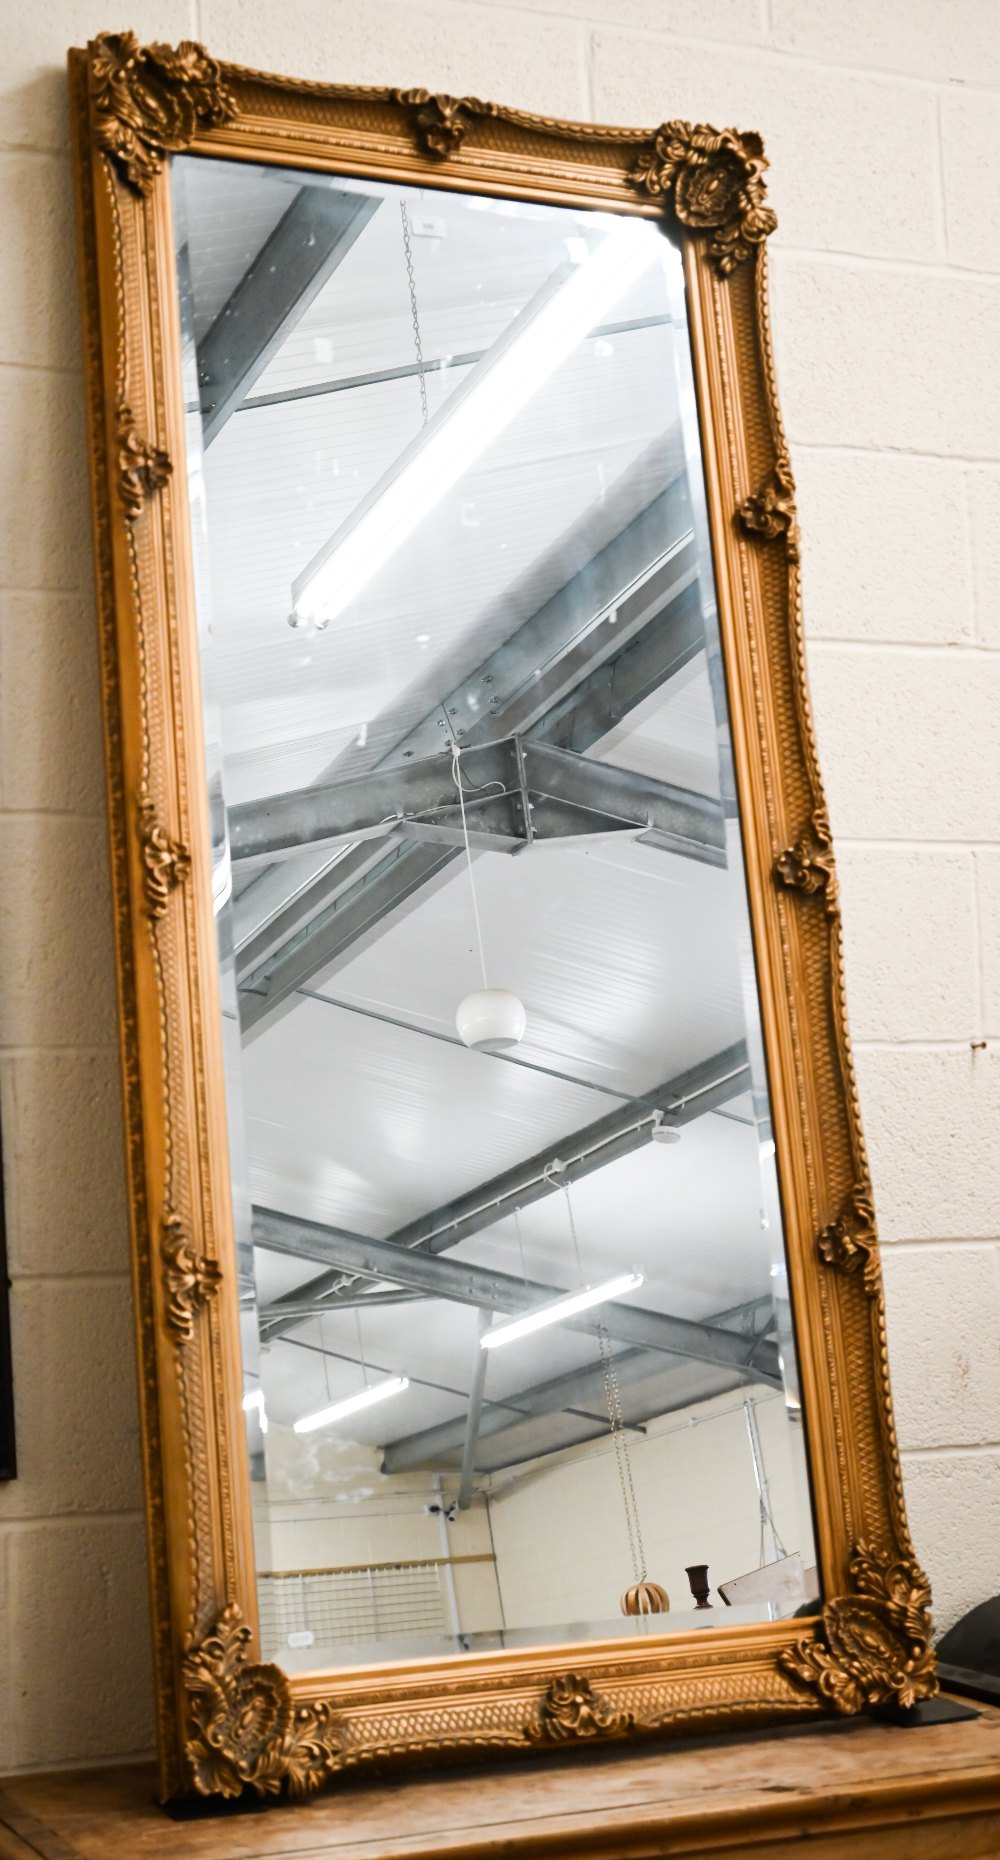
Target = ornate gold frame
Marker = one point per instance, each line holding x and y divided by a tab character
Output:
227	1723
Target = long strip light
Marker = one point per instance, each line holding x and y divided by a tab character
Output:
254	1400
325	1417
561	1308
559	316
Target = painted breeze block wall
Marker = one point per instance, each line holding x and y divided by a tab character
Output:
879	117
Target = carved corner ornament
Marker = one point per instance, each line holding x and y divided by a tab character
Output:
440	122
142	469
715	180
769	512
808	866
191	1278
149	101
571	1710
244	1729
875	1649
850	1243
167	862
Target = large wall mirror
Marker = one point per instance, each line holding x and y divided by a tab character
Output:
509	1306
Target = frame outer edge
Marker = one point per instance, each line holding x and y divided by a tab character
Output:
198	1515
91	247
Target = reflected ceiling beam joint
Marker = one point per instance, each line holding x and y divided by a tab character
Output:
691	1094
288	273
562	793
545	658
462	1283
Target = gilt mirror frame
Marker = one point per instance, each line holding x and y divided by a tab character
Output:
227	1723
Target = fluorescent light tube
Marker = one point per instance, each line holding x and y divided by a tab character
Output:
561	1309
560	315
255	1399
393	1385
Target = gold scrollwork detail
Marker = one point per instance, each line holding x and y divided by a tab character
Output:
875	1648
440	121
167	862
570	1709
769	512
149	101
244	1729
808	866
142	469
715	178
191	1278
850	1243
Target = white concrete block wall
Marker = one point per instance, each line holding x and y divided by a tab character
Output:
879	116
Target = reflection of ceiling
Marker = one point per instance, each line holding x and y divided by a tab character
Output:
563	555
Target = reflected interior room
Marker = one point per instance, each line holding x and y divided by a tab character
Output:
516	1329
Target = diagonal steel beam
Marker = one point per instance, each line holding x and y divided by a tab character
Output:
579	1394
404	870
691	1094
466	1284
289	271
643	571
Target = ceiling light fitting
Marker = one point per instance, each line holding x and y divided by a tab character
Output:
559	316
489	1020
338	1410
253	1403
561	1309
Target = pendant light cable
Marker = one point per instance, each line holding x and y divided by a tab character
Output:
456	775
520	1244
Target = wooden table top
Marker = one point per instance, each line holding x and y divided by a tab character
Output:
841	1792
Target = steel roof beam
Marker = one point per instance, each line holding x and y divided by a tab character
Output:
462	1283
289	271
691	1094
351	915
579	1393
546	793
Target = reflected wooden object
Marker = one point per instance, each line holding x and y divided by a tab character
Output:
645	1598
697	1575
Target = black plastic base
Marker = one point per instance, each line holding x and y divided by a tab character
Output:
942	1710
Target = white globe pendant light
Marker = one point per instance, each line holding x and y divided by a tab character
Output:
489	1020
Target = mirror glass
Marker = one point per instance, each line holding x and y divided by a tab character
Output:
519	1365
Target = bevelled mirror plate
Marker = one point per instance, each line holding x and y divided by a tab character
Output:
510	1316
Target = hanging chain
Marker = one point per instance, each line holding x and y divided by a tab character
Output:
411	281
613	1397
620	1438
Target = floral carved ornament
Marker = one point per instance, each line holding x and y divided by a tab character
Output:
714	179
149	101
